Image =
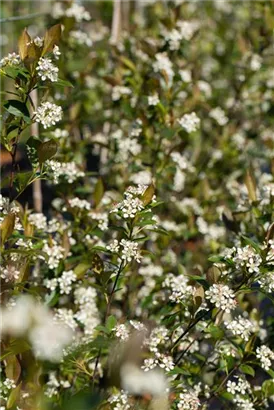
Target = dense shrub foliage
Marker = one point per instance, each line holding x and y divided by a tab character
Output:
148	281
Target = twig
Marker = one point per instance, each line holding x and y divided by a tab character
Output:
26	17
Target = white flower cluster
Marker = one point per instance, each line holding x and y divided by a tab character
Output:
184	31
121	331
81	38
151	270
75	11
11	59
267	282
126	145
247	257
158	336
113	246
163	63
188	400
190	122
65	316
179	287
241	327
219	116
79	203
102	218
240	386
5	387
53	384
129	206
54	252
88	313
66	280
265	355
118	91
182	161
27	317
47	70
120	401
130	251
159	360
9	273
59	133
153	99
48	114
222	297
68	170
38	220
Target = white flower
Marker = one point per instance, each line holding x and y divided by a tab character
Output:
163	63
113	246
66	280
51	283
247	257
67	170
38	41
129	206
38	220
119	91
11	59
219	116
187	28
54	252
9	273
241	327
255	62
185	76
179	287
153	99
65	316
56	52
120	401
88	313
46	70
222	297
267	282
102	218
78	12
190	122
241	386
79	203
188	401
121	331
130	251
80	37
265	355
48	114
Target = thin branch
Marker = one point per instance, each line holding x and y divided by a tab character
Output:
26	17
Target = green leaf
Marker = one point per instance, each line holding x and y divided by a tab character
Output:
81	269
63	83
47	150
268	388
14	395
247	369
16	346
111	322
18	109
98	192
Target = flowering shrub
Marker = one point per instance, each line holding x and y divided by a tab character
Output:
148	282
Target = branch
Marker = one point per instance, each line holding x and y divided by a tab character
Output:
26	17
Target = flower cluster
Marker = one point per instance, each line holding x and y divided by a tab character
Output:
222	297
190	122
241	327
46	70
265	355
48	114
